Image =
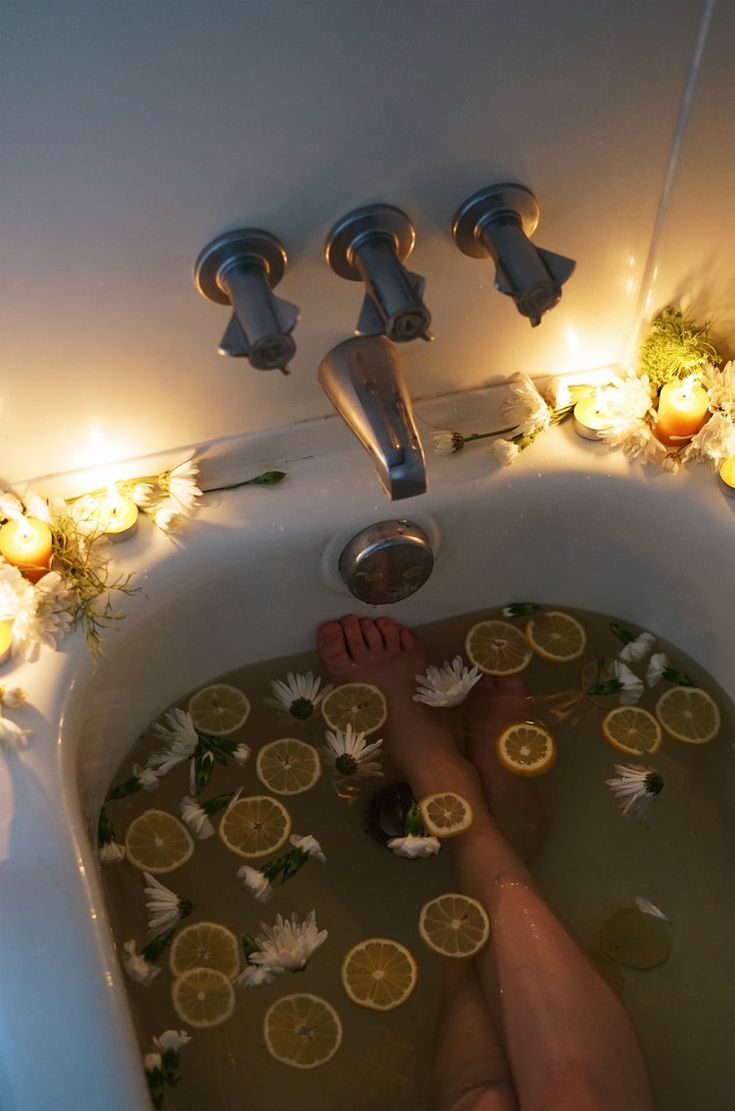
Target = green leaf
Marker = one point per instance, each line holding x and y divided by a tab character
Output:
621	632
203	768
413	825
128	787
249	946
156	1086
268	478
170	1064
105	830
672	676
219	802
520	609
612	686
157	944
296	859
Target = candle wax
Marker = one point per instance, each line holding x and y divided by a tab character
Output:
727	476
682	407
27	544
117	516
591	418
6	640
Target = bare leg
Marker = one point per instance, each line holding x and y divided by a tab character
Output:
570	1044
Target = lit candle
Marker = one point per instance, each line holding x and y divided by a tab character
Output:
682	407
727	476
27	544
592	416
6	640
116	516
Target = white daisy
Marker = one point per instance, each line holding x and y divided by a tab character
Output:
181	740
645	906
412	847
12	697
526	408
253	880
635	788
166	515
136	966
165	907
350	754
256	975
657	664
241	755
141	493
12	584
714	443
179	483
195	818
631	687
308	845
720	386
151	1062
12	737
447	685
44	615
11	508
111	853
636	650
288	944
505	451
147	778
446	443
172	1040
299	696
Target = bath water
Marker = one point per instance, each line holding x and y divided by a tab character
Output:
594	863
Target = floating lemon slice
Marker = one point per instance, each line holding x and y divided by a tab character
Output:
360	705
255	826
497	648
556	636
288	766
205	945
632	730
445	814
454	925
636	939
526	749
379	973
688	714
590	676
156	842
219	709
203	997
302	1030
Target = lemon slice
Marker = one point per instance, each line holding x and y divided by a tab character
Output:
526	749
288	766
589	676
454	925
156	842
203	997
636	939
360	705
632	730
556	636
497	648
219	709
255	826
205	945
688	714
445	814
302	1030
379	973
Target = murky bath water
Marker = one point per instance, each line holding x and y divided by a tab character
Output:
595	862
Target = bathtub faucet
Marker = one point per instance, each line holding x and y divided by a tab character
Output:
363	379
497	222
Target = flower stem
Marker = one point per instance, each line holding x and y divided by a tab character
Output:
485	435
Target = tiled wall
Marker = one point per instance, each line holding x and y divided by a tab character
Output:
132	133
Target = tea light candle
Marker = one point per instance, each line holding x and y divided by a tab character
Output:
27	543
6	640
591	417
682	407
116	516
727	476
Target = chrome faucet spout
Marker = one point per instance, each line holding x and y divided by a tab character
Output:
363	379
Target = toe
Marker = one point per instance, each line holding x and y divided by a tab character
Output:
371	635
356	645
332	647
390	633
408	640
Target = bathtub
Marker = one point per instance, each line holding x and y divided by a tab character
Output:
251	578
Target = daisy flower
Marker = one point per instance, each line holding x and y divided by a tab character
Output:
12	697
308	845
636	650
630	687
350	754
163	905
180	737
526	408
195	818
447	685
657	665
299	696
253	880
180	485
172	1041
635	788
43	616
505	451
645	906
446	443
413	847
256	975
288	944
12	737
136	966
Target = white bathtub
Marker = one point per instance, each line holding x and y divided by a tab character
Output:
251	579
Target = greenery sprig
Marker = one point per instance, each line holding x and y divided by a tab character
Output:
675	347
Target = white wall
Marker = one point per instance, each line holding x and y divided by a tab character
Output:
133	132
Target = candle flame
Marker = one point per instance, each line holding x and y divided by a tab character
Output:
114	501
26	532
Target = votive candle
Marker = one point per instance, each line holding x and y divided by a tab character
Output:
6	640
116	515
727	476
27	543
592	417
682	408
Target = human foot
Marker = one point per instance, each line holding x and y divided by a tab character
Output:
389	656
495	703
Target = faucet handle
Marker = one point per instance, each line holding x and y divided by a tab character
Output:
241	268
